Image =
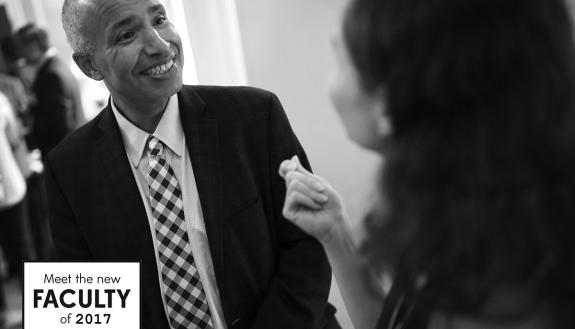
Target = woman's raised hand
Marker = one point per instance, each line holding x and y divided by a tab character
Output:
311	202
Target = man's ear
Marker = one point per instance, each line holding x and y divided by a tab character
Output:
85	63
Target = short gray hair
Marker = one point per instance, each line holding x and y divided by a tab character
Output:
73	19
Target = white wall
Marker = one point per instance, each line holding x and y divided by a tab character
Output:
287	50
215	39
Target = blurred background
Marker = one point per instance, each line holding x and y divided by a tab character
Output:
282	46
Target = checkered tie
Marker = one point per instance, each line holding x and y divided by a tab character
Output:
185	297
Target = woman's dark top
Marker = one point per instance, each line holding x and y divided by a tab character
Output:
401	309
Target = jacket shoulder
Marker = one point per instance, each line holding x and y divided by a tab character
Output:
228	92
237	103
78	143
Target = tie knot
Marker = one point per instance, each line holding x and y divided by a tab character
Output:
155	146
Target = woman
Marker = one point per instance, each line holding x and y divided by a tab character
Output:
471	103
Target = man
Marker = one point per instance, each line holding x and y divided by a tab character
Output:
199	162
58	107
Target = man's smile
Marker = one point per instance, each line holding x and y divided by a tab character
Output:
159	69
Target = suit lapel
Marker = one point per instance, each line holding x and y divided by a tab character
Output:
116	172
202	139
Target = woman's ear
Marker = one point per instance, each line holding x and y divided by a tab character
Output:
86	64
380	114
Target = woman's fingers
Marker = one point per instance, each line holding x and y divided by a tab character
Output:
310	201
287	166
297	202
306	193
308	185
294	165
299	167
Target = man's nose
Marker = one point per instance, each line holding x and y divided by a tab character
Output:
155	43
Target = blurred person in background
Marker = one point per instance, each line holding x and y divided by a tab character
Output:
58	107
471	103
55	110
15	238
13	88
16	84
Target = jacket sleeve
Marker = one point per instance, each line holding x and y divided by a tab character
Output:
297	296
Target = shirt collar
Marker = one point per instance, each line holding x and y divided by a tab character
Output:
51	52
169	131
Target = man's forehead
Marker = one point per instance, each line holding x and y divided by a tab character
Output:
114	12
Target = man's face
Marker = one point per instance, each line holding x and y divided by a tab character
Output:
138	52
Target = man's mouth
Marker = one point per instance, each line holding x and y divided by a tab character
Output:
159	69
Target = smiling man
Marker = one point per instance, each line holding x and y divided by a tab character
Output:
184	179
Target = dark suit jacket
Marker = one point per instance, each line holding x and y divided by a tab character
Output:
269	273
58	107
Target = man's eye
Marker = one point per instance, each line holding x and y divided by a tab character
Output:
160	20
125	36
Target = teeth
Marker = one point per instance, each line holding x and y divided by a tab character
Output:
160	69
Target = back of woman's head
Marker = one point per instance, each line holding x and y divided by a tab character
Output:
480	167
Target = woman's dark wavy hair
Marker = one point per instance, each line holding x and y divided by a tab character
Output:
480	167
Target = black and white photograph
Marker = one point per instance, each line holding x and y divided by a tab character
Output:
287	164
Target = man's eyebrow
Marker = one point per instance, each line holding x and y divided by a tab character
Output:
128	20
124	22
156	8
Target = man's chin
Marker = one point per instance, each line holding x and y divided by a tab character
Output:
179	86
168	87
176	88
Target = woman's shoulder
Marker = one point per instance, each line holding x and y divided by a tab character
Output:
538	319
507	309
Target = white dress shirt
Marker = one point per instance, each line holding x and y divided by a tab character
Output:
170	132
